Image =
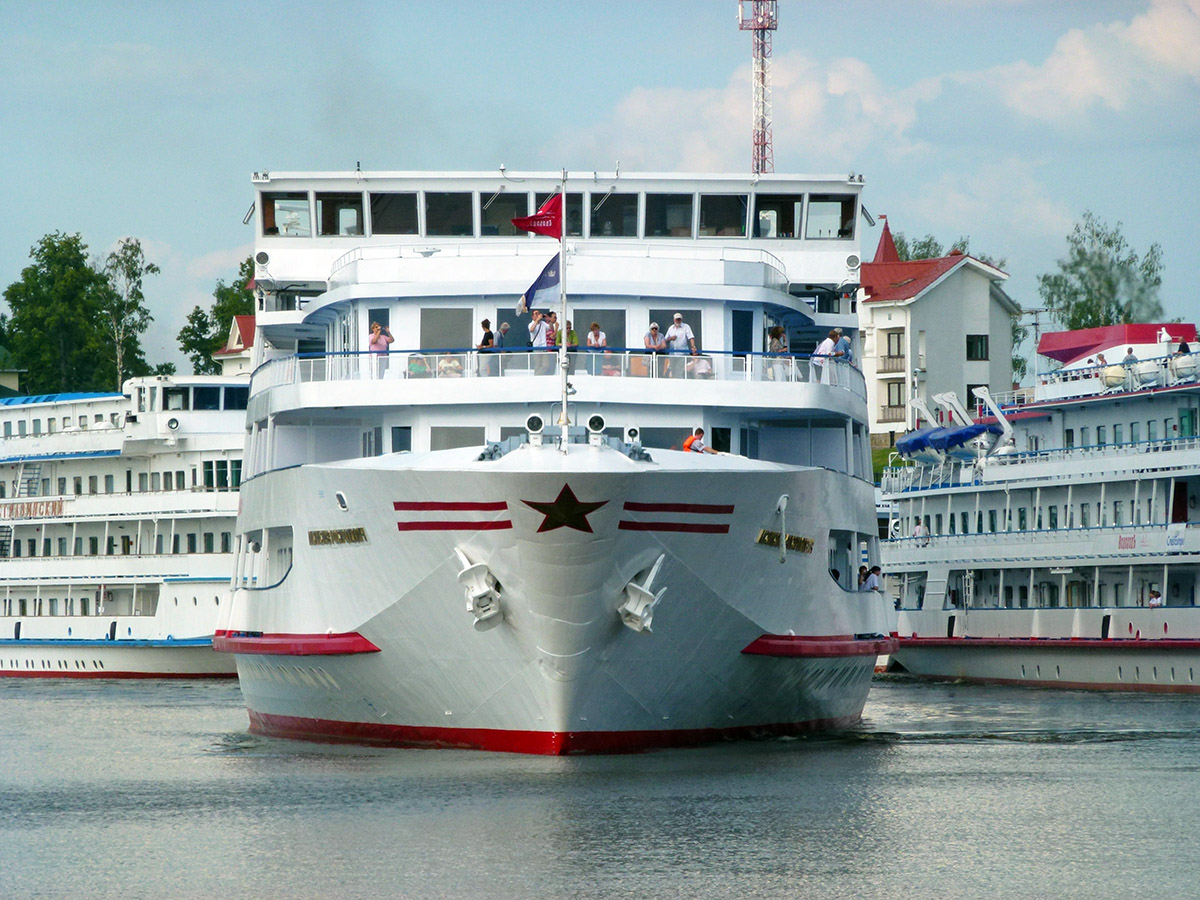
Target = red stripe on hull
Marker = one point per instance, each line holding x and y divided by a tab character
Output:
809	647
543	743
1108	645
293	644
488	506
707	508
692	527
62	673
454	526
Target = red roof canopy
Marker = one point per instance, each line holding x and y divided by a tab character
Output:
1069	346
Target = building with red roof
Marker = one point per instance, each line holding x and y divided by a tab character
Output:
235	356
930	326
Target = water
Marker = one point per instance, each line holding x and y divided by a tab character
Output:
156	790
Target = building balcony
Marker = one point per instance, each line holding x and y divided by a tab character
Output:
891	364
891	414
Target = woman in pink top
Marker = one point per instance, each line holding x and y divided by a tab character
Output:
378	343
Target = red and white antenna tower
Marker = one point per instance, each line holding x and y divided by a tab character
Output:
764	18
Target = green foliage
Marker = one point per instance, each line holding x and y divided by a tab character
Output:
55	307
206	331
124	312
1020	365
1102	281
927	247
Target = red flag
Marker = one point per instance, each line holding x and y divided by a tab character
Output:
547	220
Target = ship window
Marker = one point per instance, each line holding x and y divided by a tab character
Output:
158	543
830	216
401	438
209	542
155	481
992	520
723	215
1135	432
143	482
1084	437
191	543
108	484
1069	438
664	438
1101	435
448	437
77	547
176	398
614	215
168	481
953	524
62	546
94	546
966	522
1118	512
235	473
574	209
443	329
286	214
50	423
16	552
1118	434
62	486
1053	517
1151	430
176	543
496	214
32	546
8	429
393	213
977	346
339	214
611	322
37	427
21	428
93	484
236	397
226	542
78	485
669	215
206	398
777	215
448	213
1022	519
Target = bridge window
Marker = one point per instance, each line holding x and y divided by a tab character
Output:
497	213
723	215
236	397
574	210
830	216
669	215
207	398
448	437
393	213
339	214
614	215
286	214
778	215
449	213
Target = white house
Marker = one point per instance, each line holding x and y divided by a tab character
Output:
930	326
235	356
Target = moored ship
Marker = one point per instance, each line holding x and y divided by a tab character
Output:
116	527
435	548
1055	541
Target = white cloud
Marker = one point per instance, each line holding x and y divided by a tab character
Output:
822	112
221	264
1113	65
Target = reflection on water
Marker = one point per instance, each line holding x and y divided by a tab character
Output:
126	789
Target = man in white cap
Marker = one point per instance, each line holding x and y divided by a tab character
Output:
680	340
824	355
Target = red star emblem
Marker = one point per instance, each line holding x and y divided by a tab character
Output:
566	510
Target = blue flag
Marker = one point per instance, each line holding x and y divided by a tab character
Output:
544	289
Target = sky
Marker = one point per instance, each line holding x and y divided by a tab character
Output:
997	120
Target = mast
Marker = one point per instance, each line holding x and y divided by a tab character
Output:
763	19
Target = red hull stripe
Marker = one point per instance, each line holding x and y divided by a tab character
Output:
694	527
545	743
708	508
1109	645
293	644
465	505
63	673
819	647
499	525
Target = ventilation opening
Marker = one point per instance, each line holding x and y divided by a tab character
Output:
1105	625
950	626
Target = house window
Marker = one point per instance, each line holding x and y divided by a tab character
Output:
977	346
895	393
972	400
895	343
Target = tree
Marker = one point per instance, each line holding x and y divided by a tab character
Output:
1102	281
205	332
125	314
55	307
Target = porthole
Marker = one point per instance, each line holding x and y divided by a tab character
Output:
195	602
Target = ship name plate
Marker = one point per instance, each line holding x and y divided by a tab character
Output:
337	536
32	509
792	541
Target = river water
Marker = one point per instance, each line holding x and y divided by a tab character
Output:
156	790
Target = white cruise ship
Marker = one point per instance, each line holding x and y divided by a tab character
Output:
427	555
117	516
1056	542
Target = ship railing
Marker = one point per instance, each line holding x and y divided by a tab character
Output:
1036	543
776	275
1111	378
897	479
625	362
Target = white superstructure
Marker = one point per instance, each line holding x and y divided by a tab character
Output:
116	527
422	560
1057	543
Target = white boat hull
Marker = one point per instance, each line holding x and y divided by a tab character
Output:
372	641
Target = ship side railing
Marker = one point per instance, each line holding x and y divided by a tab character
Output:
1040	543
1091	381
459	363
898	479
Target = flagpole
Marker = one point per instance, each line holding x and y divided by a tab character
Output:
563	331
